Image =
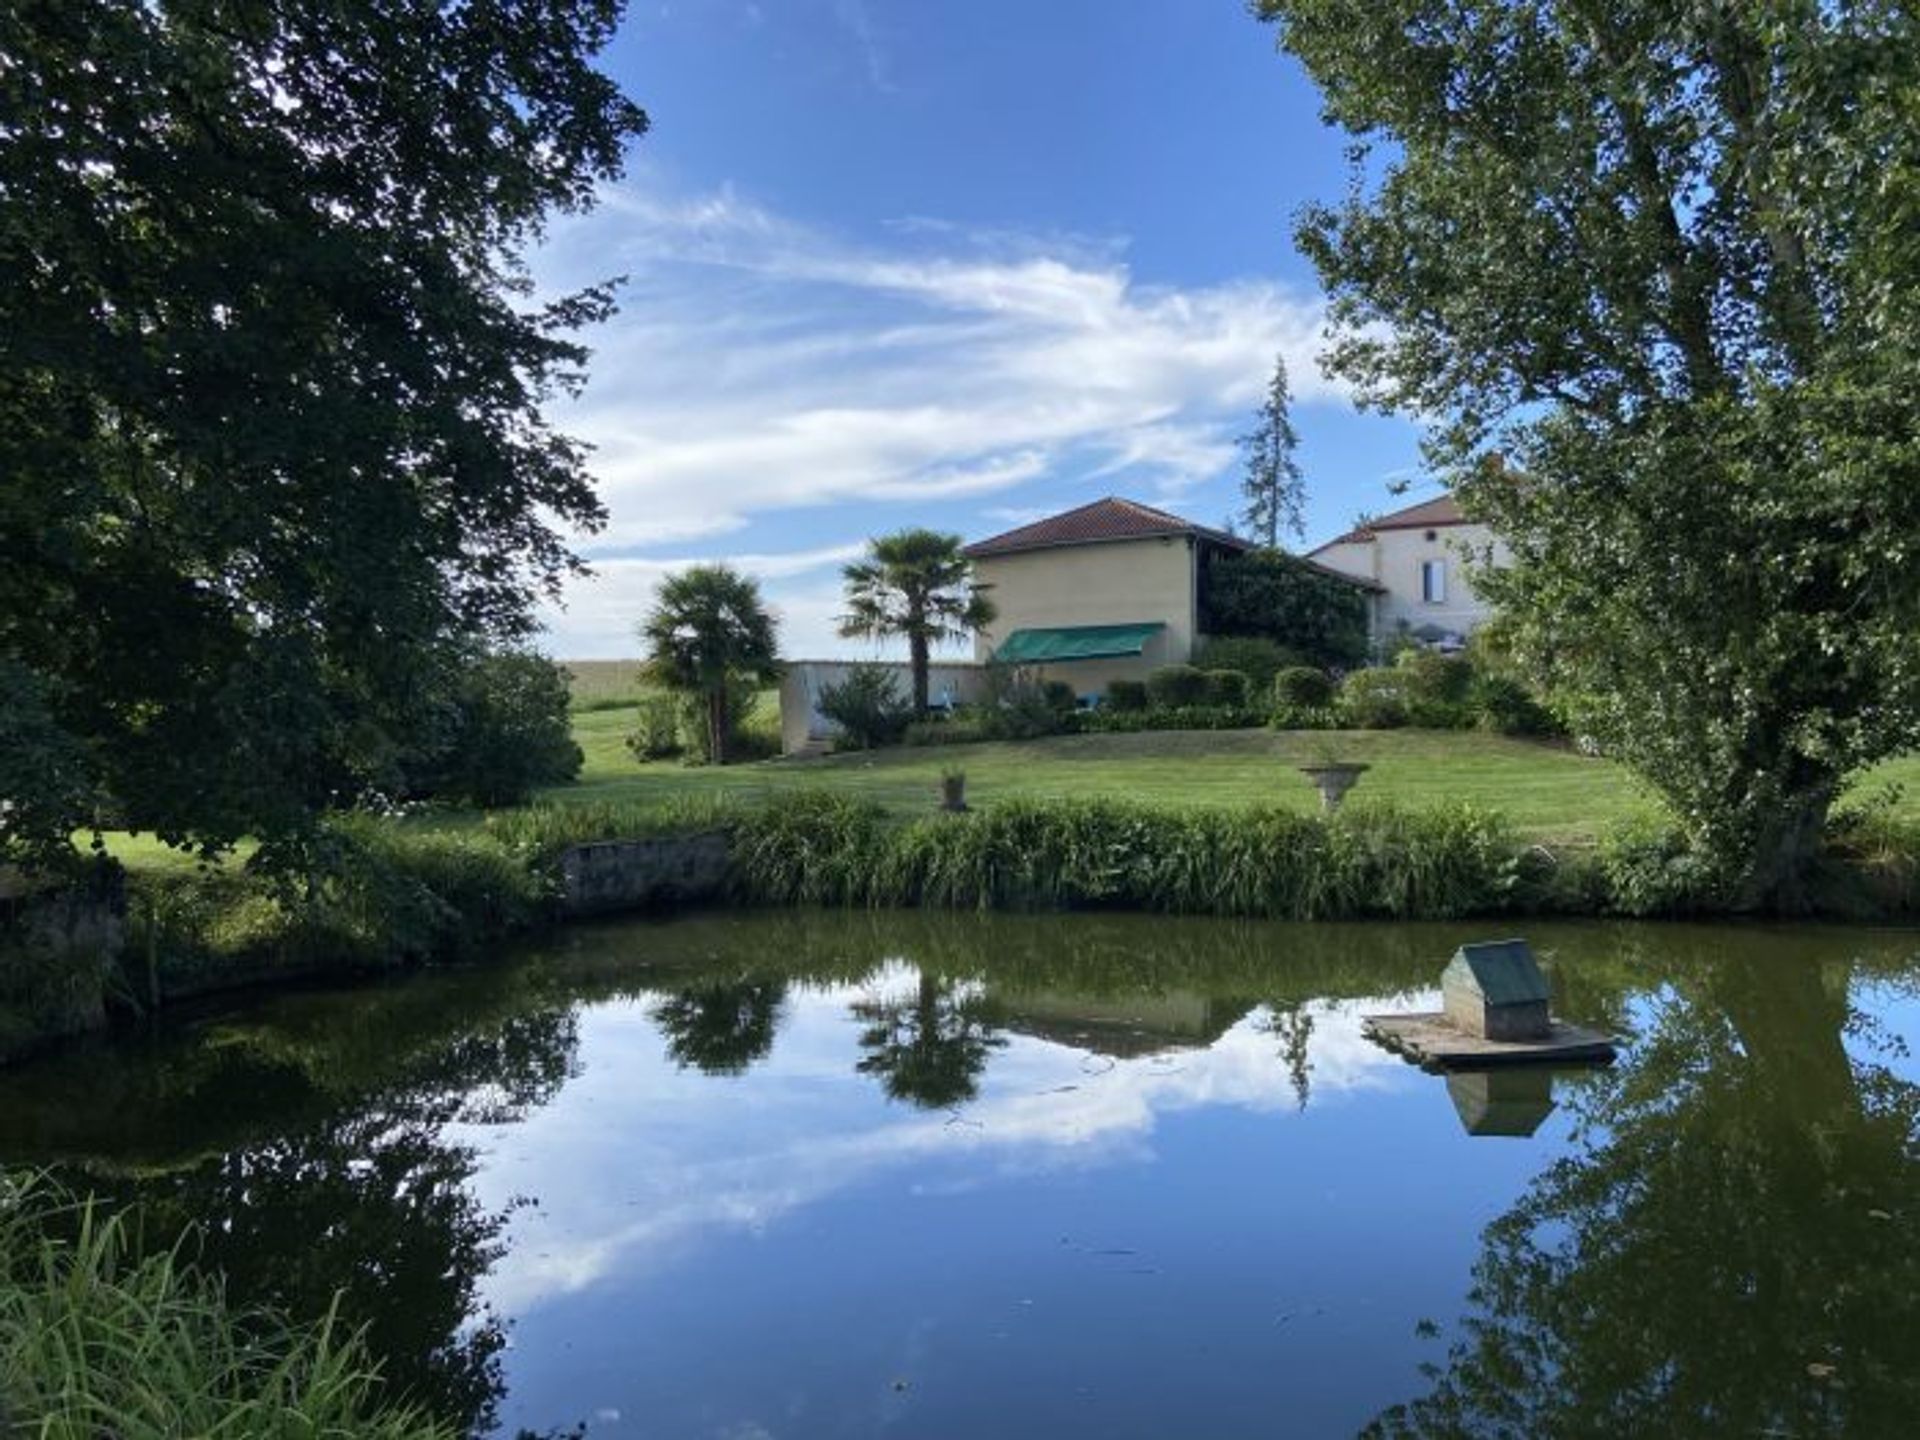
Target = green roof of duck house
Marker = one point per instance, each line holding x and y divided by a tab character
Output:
1503	971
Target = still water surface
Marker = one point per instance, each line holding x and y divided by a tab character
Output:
823	1175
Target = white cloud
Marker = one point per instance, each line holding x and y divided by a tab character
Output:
760	368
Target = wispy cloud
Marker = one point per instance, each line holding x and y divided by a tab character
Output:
761	367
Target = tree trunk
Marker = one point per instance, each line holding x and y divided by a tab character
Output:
917	652
717	724
1783	854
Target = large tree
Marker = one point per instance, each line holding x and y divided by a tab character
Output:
1650	267
1271	482
707	632
271	378
916	585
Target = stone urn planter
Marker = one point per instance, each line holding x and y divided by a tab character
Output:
953	792
1333	779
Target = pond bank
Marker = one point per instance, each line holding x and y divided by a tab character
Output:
410	896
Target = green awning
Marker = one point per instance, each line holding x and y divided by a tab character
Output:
1075	642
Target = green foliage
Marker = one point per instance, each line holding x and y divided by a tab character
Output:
970	728
1060	696
710	638
1374	699
915	585
656	735
508	732
751	734
1436	678
867	706
1303	687
1178	717
1271	484
273	386
100	1334
1126	695
1172	686
821	849
1507	707
1319	616
1254	656
45	775
1228	689
1652	281
1652	869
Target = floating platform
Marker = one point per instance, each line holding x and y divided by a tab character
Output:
1432	1041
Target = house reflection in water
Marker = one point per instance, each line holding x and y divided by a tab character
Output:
1124	1027
1511	1100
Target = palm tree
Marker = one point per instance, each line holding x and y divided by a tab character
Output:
708	629
917	584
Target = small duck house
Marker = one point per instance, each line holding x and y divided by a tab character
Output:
1496	991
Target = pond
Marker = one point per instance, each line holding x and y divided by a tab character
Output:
799	1175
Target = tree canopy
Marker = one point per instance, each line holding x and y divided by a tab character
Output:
271	377
1649	267
916	585
709	630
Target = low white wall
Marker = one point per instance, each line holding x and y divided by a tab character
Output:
801	681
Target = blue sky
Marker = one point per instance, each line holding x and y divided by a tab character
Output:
897	262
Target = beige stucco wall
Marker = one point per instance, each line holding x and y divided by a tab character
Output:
1393	559
1122	582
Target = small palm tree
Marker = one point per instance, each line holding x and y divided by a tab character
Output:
916	584
708	628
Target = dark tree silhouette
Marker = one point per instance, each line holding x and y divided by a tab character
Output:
721	1029
928	1049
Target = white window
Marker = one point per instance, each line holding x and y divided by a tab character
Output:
1433	581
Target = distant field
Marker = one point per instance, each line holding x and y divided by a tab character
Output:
604	684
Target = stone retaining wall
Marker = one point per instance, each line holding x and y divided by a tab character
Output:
616	875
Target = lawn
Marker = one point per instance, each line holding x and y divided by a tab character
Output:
1546	790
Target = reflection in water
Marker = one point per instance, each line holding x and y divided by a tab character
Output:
928	1047
1729	1248
1157	1207
721	1028
1512	1101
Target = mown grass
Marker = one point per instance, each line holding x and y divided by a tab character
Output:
102	1336
1546	791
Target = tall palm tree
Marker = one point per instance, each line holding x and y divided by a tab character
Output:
709	628
916	584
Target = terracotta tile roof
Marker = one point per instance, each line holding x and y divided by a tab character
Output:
1428	514
1095	524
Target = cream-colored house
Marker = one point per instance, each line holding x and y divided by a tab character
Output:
1422	559
1110	591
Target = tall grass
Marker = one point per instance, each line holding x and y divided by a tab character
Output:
100	1337
826	849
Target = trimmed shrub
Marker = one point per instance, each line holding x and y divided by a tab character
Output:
868	706
1303	687
1433	678
1060	696
1126	695
1185	717
1172	686
1506	707
1254	656
656	736
1373	699
1227	688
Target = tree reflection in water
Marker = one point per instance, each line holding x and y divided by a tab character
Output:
928	1047
721	1029
379	1198
1728	1250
